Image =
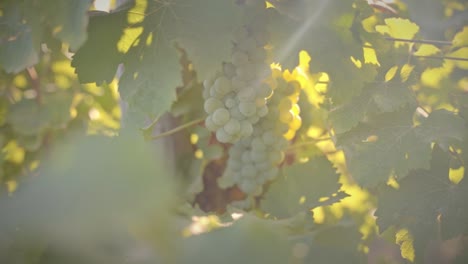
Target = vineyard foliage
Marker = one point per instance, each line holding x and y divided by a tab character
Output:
222	131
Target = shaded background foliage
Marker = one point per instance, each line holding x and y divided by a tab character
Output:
376	173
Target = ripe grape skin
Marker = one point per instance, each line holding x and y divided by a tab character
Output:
212	104
221	116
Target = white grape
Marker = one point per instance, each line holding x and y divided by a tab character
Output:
222	136
232	127
210	125
221	116
212	104
239	58
247	108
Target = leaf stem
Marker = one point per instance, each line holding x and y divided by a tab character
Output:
177	129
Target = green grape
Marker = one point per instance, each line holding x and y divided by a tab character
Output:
247	108
262	111
210	125
222	136
248	186
222	86
260	102
269	138
258	145
257	55
232	127
276	157
235	113
286	117
253	119
246	94
246	158
230	103
239	58
264	90
229	70
246	128
248	171
238	84
258	156
246	72
212	104
241	34
285	104
247	44
221	116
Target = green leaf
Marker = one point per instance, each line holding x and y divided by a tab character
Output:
300	187
391	144
427	203
326	30
441	126
28	118
17	50
70	22
100	49
85	184
152	71
392	96
347	116
248	240
332	244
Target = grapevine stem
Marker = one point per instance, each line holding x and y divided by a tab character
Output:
435	42
177	129
443	58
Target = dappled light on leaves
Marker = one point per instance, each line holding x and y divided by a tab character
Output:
234	131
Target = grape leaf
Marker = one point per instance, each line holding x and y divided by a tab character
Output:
331	244
30	118
69	24
347	116
85	184
386	97
392	96
27	117
426	203
296	191
390	143
461	38
248	240
17	50
152	71
326	30
100	49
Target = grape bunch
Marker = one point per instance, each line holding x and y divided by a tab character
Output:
254	160
235	99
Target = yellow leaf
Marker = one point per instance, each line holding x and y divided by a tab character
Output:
432	77
461	38
405	72
462	54
391	73
369	55
398	28
427	50
405	240
456	175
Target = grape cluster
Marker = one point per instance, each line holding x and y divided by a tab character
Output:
254	160
235	99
